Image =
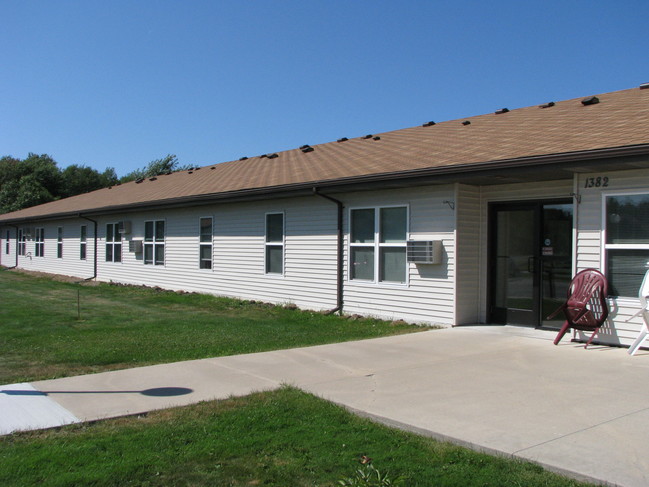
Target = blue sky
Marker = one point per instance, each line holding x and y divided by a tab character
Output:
120	83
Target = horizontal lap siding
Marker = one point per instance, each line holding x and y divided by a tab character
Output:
70	264
238	252
429	295
590	247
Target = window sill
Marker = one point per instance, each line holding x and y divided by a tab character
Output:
383	284
273	275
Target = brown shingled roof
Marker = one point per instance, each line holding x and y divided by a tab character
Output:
620	120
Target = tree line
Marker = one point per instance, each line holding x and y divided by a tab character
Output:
38	179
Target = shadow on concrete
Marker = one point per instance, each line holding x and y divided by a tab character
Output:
155	392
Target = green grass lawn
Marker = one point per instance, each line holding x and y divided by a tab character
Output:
281	438
44	335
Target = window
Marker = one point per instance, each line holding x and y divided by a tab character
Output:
275	243
154	242
83	237
378	244
7	242
59	243
40	242
113	243
205	243
22	241
627	242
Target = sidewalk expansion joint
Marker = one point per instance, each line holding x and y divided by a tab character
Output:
580	430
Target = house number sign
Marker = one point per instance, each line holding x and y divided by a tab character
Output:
598	182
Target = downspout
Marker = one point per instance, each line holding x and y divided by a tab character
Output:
340	253
95	239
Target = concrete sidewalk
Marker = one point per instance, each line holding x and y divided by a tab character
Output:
503	390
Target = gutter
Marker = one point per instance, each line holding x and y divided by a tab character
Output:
340	253
95	251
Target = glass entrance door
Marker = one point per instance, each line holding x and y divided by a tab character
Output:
530	261
556	259
513	289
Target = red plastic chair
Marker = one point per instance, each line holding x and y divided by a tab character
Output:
585	308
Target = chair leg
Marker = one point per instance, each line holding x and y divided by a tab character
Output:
638	341
591	337
564	329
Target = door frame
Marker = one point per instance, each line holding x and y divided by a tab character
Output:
537	206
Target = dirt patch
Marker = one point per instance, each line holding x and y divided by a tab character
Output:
56	277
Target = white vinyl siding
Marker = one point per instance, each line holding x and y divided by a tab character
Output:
447	293
239	239
427	296
69	264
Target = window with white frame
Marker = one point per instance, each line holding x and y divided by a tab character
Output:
113	243
274	243
39	248
83	238
154	242
22	241
205	243
59	243
377	244
627	242
7	242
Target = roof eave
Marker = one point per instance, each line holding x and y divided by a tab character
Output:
305	188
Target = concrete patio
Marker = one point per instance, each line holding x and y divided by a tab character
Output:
503	390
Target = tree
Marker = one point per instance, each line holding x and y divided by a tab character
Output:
37	179
82	179
29	182
157	167
109	177
45	172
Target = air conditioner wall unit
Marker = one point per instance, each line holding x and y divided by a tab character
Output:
424	251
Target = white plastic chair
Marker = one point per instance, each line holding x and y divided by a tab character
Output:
643	296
